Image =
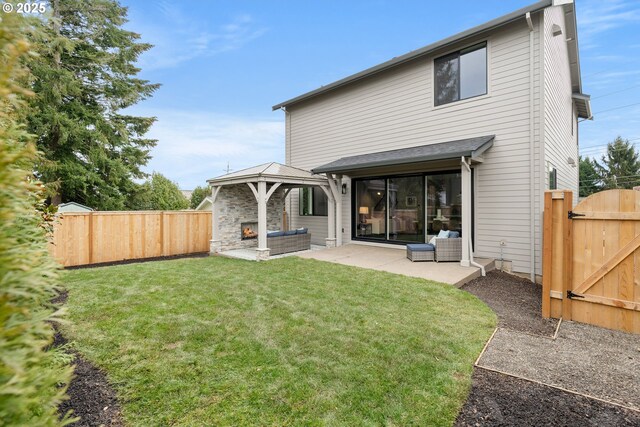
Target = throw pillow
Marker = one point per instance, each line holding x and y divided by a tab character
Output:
444	234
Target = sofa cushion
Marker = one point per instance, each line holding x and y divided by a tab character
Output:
454	234
277	233
290	233
302	230
443	234
421	247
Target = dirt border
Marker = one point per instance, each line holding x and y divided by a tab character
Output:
91	397
139	260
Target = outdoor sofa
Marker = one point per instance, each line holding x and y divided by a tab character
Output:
282	242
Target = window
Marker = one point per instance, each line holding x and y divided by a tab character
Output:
461	75
553	177
313	202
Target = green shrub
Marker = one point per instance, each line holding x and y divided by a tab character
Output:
32	379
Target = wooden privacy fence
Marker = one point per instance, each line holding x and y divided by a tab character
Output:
591	259
99	237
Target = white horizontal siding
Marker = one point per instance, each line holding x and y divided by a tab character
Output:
394	109
559	143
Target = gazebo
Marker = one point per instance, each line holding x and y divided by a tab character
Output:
257	196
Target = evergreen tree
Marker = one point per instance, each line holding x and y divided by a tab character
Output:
160	194
590	178
621	165
198	195
84	76
33	377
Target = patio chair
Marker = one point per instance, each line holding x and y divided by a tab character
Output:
448	249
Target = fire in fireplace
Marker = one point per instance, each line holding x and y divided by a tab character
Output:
248	230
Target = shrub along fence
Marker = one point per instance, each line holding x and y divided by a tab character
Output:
591	259
101	237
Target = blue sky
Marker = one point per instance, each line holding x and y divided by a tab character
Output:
223	64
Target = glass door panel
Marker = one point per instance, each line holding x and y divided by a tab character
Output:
371	209
444	203
406	209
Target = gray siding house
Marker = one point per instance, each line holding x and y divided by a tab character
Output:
463	134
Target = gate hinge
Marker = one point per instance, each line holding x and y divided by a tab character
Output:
572	214
571	295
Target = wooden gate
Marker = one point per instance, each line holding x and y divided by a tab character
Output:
591	259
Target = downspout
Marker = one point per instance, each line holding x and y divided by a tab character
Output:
468	239
532	189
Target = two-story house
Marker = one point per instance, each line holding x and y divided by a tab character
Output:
463	134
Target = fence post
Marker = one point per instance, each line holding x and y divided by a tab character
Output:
567	259
162	233
91	238
547	253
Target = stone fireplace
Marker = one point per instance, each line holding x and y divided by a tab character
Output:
237	210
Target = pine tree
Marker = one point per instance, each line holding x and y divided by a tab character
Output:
84	76
621	165
590	178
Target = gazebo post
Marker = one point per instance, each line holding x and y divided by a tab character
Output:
263	251
214	243
331	218
336	189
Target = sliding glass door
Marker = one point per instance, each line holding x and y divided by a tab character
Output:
444	202
406	209
371	209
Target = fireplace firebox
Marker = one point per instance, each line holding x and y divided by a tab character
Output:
249	230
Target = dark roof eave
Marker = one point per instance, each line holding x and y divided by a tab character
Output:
487	26
473	154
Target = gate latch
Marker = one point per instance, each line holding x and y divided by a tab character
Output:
572	214
571	295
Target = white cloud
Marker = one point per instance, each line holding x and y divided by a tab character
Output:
195	146
178	39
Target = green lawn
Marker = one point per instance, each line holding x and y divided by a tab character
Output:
215	341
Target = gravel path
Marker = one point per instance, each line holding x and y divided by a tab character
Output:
516	301
501	400
584	358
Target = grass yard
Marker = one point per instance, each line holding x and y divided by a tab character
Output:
215	341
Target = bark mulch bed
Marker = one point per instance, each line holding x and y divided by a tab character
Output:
498	399
501	400
516	301
91	397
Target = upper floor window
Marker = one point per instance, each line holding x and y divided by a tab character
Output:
461	75
313	202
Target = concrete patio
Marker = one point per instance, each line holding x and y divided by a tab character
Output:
394	260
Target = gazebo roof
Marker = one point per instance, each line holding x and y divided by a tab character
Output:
270	172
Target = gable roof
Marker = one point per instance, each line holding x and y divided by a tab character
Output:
72	205
470	147
272	172
570	22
